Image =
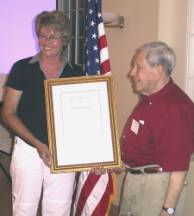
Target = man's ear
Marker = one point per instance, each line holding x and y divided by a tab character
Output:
158	70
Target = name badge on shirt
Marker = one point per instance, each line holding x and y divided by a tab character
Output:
135	126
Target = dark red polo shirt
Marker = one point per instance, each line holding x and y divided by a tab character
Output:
160	131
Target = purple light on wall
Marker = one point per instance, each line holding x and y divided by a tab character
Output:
17	37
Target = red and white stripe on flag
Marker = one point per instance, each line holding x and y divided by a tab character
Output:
94	192
104	55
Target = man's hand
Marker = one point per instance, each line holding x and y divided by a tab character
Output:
118	170
99	170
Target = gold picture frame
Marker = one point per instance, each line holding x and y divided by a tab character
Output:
81	120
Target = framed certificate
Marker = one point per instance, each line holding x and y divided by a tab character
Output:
82	128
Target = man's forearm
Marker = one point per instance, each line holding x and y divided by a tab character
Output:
176	181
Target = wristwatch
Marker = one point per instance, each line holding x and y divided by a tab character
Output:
169	210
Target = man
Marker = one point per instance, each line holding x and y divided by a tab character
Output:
158	138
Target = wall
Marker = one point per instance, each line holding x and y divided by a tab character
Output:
141	25
172	29
189	82
17	41
145	20
3	78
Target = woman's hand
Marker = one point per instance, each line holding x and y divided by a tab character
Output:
44	153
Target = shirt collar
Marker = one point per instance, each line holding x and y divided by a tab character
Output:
36	58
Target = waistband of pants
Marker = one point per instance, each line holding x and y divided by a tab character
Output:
151	169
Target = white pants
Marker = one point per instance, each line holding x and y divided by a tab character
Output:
30	176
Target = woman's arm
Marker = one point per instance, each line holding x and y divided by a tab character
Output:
10	104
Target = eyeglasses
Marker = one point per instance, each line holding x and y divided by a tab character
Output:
49	38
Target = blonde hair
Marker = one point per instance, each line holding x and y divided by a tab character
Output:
54	19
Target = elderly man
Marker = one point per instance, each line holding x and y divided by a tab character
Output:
158	138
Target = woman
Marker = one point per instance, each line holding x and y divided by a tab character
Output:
24	112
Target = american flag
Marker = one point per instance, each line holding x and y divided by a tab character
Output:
94	192
97	58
